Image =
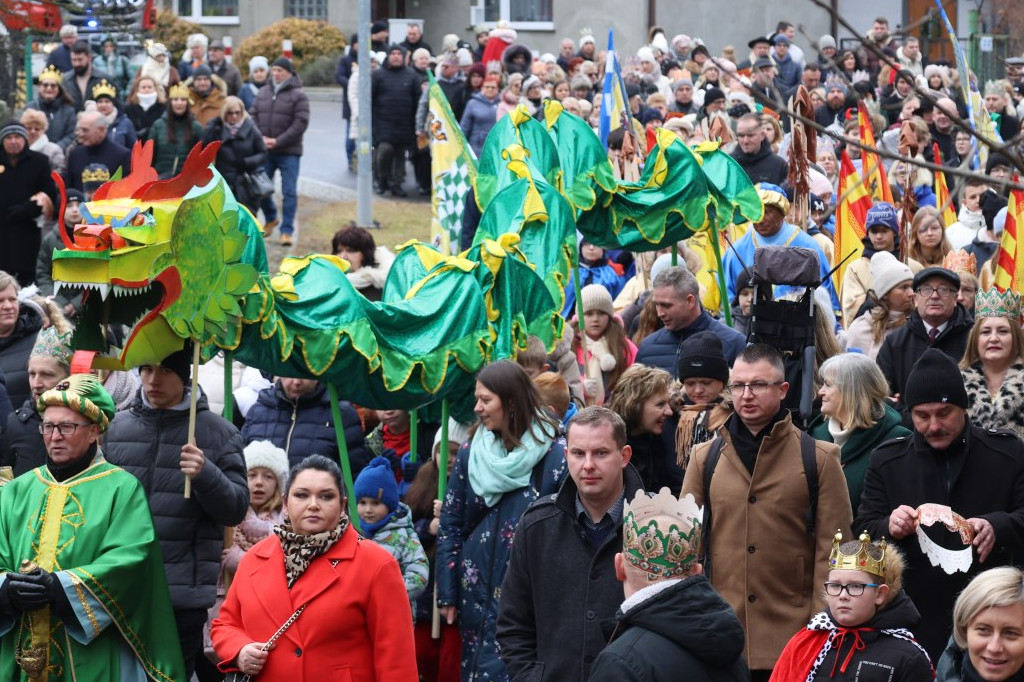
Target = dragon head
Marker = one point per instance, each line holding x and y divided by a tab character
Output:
160	258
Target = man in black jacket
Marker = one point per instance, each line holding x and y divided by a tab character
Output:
395	92
947	461
149	440
939	322
672	625
26	192
561	575
755	155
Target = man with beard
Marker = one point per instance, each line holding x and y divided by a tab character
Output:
58	107
206	95
94	152
80	80
26	192
835	102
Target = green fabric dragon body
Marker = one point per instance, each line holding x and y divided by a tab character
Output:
180	259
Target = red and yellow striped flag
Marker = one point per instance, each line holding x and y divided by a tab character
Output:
942	199
851	214
1010	256
870	164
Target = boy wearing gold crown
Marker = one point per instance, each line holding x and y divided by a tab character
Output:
672	625
864	633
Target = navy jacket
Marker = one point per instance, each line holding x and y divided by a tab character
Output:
661	349
305	427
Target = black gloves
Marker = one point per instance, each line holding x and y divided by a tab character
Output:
23	212
18	595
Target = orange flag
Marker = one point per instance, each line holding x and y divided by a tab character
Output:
870	163
851	214
948	216
1010	256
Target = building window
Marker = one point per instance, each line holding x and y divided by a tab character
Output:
209	11
306	9
529	13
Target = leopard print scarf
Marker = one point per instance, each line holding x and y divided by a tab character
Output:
300	550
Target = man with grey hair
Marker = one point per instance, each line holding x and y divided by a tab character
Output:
61	55
575	532
94	150
195	56
676	296
414	39
566	51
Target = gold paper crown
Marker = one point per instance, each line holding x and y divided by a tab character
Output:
961	261
661	552
179	91
104	89
51	74
96	173
995	303
861	561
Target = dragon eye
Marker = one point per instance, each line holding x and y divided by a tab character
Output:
139	219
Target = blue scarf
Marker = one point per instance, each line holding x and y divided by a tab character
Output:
370	529
494	471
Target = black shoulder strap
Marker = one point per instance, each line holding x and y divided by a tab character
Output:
714	453
807	448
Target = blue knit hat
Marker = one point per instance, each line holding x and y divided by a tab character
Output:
377	481
882	214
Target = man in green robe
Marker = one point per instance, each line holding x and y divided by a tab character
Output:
83	594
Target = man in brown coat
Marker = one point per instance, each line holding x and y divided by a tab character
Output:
765	553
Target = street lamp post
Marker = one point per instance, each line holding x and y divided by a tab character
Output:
364	144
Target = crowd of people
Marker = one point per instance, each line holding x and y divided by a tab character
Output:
684	487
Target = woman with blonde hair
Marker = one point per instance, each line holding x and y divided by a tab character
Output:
36	123
641	398
928	243
147	102
772	131
241	152
988	619
855	414
993	363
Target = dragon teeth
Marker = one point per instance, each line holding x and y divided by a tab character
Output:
104	290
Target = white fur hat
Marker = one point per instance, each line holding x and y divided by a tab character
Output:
263	453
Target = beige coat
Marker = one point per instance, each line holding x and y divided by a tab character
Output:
857	281
763	562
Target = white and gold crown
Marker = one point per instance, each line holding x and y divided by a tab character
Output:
661	534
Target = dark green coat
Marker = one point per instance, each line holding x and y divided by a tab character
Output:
856	451
169	156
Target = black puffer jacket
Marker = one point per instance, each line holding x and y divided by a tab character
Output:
21	444
305	426
283	115
885	655
14	352
902	348
764	165
238	154
147	443
686	632
395	94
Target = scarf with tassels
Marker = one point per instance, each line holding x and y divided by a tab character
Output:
698	424
300	550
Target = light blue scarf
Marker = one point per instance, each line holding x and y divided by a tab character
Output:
493	471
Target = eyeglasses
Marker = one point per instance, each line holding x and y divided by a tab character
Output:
853	589
943	292
233	113
67	429
756	388
48	85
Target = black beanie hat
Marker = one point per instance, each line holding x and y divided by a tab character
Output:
996	159
935	378
180	362
285	64
991	203
701	355
712	96
202	70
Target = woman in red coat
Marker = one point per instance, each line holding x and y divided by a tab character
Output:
357	624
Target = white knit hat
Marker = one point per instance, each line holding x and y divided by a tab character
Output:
887	272
263	453
596	297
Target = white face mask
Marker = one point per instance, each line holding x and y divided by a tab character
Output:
147	99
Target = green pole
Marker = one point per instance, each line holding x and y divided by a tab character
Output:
442	456
28	66
722	288
229	403
346	466
414	432
675	256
